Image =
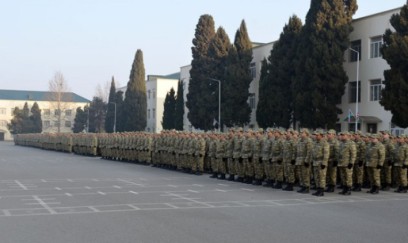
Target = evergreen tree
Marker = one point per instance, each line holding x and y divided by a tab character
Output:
238	78
277	86
110	113
35	119
168	121
263	114
200	115
16	124
179	112
135	104
81	119
320	77
97	114
119	111
395	52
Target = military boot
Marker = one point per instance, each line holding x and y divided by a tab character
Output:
240	179
302	189
344	191
319	192
214	175
268	183
221	177
386	187
374	190
357	188
278	185
256	182
288	187
401	189
231	177
330	188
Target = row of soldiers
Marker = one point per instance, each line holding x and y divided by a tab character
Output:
274	158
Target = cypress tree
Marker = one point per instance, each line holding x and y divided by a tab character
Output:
80	120
179	110
27	125
135	104
277	86
395	52
238	79
198	90
119	111
320	76
263	113
110	113
97	113
16	124
169	110
35	119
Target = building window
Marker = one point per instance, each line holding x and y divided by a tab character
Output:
68	112
252	68
148	113
47	112
372	127
67	123
154	113
56	124
355	45
352	127
47	124
252	101
2	111
3	123
148	94
57	112
375	46
375	89
396	131
352	91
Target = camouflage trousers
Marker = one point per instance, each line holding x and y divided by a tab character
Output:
214	164
239	167
289	172
248	167
401	176
258	168
331	174
346	176
319	176
231	166
358	173
269	170
374	176
222	165
278	169
386	175
197	163
304	175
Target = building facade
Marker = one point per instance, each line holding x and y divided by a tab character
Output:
10	99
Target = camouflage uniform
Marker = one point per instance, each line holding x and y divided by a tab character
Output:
246	154
386	171
346	158
401	164
277	160
332	164
303	159
320	157
289	160
358	170
257	159
266	159
237	158
375	157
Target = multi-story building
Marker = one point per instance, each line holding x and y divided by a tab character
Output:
10	99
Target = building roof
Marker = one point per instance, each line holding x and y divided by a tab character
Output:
27	95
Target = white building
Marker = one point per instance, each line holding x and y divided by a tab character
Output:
10	99
367	39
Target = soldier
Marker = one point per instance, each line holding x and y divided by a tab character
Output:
375	157
320	157
277	158
199	154
266	148
401	164
246	155
229	155
387	169
332	163
303	158
289	159
346	158
212	149
257	157
221	156
358	170
237	155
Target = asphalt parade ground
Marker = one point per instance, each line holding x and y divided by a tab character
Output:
48	196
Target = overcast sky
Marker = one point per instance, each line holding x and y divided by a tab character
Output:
90	41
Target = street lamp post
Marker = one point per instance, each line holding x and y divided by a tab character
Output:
358	68
219	102
114	121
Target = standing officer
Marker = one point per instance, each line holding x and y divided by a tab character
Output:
346	158
266	159
289	159
401	164
303	158
358	170
257	157
320	156
332	164
277	160
387	168
375	158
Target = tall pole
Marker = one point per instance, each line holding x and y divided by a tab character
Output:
219	102
87	121
357	95
114	121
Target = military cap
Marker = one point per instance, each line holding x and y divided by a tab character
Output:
374	135
359	133
240	129
304	130
318	132
331	131
344	133
260	130
385	132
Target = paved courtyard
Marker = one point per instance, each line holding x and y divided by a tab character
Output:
47	196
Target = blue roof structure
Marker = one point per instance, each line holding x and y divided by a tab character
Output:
39	96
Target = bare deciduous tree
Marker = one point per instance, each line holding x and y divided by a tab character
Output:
59	97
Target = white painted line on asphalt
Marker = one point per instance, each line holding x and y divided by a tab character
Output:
58	189
171	205
20	184
94	209
219	190
42	180
174	186
242	204
133	192
193	191
197	185
70	180
44	205
220	184
102	193
247	189
68	194
133	206
95	179
6	212
118	187
88	187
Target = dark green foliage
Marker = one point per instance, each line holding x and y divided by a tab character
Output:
395	52
275	106
110	113
199	93
81	120
35	118
169	110
119	111
320	77
135	104
97	114
179	109
16	124
236	110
